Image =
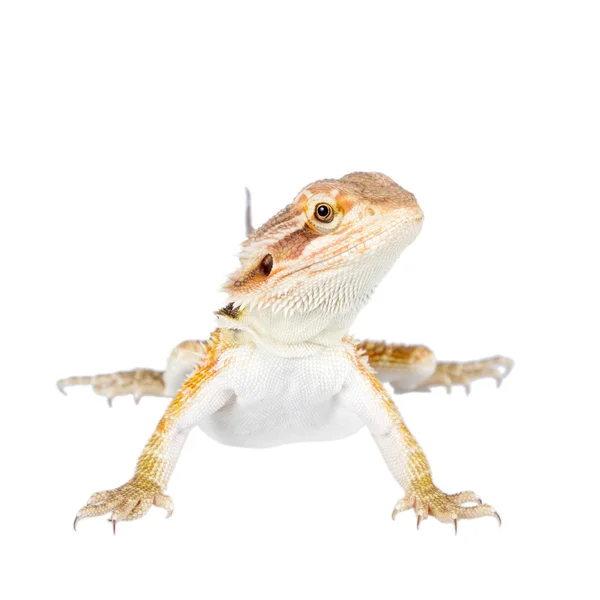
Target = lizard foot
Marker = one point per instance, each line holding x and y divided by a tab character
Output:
138	383
126	503
448	374
447	508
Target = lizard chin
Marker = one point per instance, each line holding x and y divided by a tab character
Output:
318	302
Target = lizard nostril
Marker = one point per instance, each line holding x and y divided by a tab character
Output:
266	265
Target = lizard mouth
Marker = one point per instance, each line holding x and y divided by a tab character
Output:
383	234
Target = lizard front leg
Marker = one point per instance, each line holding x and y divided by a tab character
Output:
144	382
204	393
365	395
414	368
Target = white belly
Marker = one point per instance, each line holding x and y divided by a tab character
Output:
284	400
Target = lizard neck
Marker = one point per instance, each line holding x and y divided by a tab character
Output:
298	334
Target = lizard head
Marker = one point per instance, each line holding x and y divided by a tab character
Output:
328	249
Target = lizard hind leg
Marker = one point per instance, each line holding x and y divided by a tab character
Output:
414	368
137	382
449	374
403	367
144	382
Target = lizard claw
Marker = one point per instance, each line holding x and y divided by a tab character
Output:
444	507
138	383
126	503
453	374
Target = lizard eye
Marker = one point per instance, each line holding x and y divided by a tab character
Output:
324	212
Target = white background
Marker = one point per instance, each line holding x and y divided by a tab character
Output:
128	131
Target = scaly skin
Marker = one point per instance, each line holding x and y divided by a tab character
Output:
133	499
421	493
281	368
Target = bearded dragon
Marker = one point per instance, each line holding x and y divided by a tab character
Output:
281	367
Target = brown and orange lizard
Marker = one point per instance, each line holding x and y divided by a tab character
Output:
281	368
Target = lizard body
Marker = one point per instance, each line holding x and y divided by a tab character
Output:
281	367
